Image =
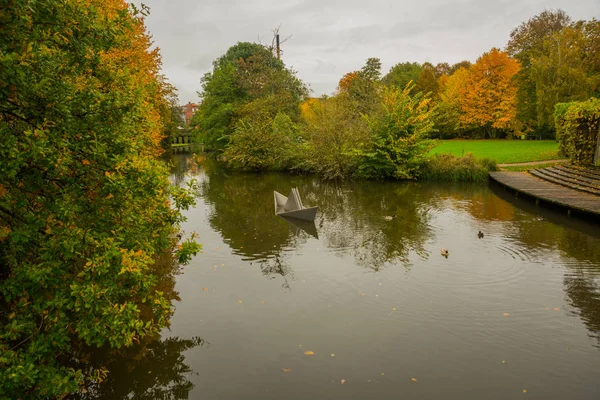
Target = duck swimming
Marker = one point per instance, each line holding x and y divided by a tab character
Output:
444	252
480	235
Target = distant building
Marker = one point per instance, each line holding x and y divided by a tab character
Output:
188	112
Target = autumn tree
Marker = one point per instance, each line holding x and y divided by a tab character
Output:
85	204
452	91
489	98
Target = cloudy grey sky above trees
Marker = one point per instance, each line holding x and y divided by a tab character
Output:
332	37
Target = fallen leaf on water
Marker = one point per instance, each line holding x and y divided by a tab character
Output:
287	369
343	381
332	355
239	301
204	288
222	265
262	302
524	390
382	374
503	362
394	309
413	379
556	309
506	314
309	353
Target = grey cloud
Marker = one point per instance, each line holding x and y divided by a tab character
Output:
332	37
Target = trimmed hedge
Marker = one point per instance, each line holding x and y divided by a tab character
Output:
577	130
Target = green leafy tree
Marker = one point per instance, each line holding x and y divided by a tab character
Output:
401	74
526	42
427	82
262	143
245	73
333	129
85	203
399	136
559	72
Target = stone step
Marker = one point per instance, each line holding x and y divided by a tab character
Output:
569	174
548	176
587	172
572	179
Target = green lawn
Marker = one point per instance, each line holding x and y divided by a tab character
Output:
502	151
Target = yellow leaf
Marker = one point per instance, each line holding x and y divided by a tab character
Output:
332	355
524	390
286	369
343	381
204	288
556	309
110	196
309	353
413	379
239	301
506	314
85	162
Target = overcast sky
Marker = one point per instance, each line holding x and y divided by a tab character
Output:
332	37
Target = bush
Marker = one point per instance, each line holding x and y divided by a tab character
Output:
400	136
448	167
577	129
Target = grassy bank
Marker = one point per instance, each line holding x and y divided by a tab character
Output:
502	151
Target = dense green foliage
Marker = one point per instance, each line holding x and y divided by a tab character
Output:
247	79
358	132
578	130
559	60
448	167
84	199
399	144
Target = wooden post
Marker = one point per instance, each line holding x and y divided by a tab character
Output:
278	48
597	152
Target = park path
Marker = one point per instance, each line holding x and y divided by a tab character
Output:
564	160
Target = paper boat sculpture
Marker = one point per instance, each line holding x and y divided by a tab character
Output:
292	207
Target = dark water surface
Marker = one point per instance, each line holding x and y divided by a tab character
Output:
385	314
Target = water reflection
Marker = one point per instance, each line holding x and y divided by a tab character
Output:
154	370
350	218
350	223
378	294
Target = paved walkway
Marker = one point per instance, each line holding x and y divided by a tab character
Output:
564	160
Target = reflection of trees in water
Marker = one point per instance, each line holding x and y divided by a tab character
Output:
274	266
154	370
583	293
354	223
350	217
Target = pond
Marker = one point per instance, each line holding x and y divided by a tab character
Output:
359	307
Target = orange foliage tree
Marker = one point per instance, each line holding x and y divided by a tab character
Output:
490	94
346	81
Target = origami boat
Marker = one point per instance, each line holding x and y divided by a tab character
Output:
292	207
